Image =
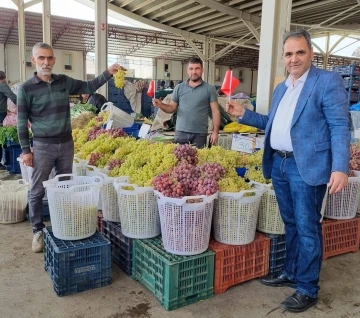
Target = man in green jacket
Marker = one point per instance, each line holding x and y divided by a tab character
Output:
43	100
5	93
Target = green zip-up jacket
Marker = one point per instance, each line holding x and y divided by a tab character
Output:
47	107
5	93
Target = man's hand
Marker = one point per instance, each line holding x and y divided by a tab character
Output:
156	102
234	108
338	181
115	67
28	159
214	138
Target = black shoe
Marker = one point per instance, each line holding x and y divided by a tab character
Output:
280	281
2	167
298	302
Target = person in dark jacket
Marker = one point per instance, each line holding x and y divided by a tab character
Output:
5	93
94	99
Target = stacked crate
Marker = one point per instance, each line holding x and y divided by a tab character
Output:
340	236
351	76
235	264
10	154
121	246
76	266
175	280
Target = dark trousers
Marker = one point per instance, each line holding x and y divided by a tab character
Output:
45	157
196	139
2	117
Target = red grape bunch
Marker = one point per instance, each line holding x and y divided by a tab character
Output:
168	186
212	170
94	157
114	164
186	153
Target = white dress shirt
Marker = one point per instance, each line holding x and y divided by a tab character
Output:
280	138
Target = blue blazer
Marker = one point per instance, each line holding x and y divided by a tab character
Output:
320	128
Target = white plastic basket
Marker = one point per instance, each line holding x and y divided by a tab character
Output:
119	118
108	193
26	173
73	205
357	174
224	140
235	217
186	223
344	204
138	210
79	166
269	219
13	201
92	171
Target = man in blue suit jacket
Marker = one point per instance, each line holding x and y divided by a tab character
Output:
307	142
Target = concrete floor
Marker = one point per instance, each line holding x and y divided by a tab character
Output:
26	290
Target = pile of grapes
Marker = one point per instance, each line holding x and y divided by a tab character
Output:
96	131
189	180
355	157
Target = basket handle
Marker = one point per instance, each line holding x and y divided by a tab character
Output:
105	105
98	180
203	198
242	192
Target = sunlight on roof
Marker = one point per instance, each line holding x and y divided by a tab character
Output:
72	9
346	47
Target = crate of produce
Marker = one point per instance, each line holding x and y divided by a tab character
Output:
344	204
185	223
76	266
13	200
235	216
121	246
340	236
176	281
119	118
269	220
277	254
73	205
138	210
237	264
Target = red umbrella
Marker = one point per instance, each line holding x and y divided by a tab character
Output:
229	84
151	89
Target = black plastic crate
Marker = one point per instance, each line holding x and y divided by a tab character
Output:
121	246
277	253
77	265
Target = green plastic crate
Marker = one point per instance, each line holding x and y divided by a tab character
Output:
175	280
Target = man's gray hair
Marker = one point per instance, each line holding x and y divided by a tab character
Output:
41	45
298	34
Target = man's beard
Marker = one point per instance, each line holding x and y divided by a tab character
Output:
196	79
43	72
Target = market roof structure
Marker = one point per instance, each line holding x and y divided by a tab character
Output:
233	25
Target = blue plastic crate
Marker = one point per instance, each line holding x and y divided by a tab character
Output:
121	246
76	266
12	165
133	130
277	253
